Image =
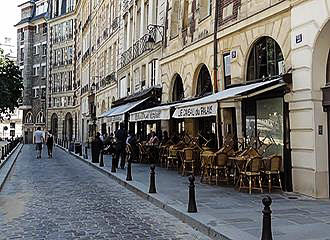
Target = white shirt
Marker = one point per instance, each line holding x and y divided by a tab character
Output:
38	135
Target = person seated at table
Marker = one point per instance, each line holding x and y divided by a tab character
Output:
165	139
153	139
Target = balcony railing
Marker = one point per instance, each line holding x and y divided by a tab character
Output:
137	50
84	89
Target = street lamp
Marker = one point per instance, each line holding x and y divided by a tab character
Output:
153	29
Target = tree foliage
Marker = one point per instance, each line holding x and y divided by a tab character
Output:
11	86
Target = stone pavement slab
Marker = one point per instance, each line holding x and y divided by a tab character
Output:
229	212
61	198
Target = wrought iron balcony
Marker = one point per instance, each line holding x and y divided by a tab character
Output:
115	24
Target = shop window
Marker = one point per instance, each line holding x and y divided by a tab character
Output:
227	69
204	84
266	59
204	8
174	19
178	90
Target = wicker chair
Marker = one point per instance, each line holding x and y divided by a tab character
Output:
189	159
144	156
273	169
172	159
252	171
220	166
163	155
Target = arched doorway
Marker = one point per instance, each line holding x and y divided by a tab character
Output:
177	125
265	60
68	127
321	80
178	90
204	83
54	125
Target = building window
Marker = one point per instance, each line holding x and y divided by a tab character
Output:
40	118
43	92
12	125
36	49
43	71
185	20
36	71
204	84
328	69
143	75
174	31
29	118
227	69
137	80
44	49
204	8
178	91
152	72
266	59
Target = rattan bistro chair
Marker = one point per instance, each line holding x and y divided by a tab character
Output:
172	159
188	161
220	166
144	156
272	169
252	172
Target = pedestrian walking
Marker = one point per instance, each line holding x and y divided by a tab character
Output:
121	136
50	144
38	140
97	147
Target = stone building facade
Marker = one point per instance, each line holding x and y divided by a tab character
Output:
32	59
62	114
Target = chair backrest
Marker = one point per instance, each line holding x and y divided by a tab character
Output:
141	148
276	163
129	148
172	152
221	159
254	164
188	154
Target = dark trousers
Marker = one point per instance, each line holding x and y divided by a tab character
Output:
120	153
50	150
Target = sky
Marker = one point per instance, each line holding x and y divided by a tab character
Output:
9	16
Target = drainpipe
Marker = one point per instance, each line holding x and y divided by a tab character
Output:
215	48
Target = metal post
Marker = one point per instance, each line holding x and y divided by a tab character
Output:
113	162
129	169
192	208
101	159
86	153
80	150
152	187
2	153
267	219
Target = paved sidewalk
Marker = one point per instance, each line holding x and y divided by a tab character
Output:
236	215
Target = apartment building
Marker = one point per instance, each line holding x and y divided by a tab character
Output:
62	113
32	60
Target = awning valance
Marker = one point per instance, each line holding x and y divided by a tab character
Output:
117	114
162	112
207	106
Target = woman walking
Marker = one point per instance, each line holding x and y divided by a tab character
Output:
50	144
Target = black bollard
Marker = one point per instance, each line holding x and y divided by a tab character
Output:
101	159
2	153
192	208
152	187
80	149
113	164
267	219
86	153
129	169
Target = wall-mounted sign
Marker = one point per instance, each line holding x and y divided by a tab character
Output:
233	54
152	115
320	130
118	118
299	38
205	110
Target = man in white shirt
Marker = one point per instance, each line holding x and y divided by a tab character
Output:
38	140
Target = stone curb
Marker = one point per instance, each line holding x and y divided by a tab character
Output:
4	176
195	220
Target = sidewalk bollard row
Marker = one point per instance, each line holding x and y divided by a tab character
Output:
129	169
101	159
192	208
8	148
152	187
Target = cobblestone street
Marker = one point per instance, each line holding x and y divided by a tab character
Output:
61	198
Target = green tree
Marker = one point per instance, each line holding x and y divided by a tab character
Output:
11	86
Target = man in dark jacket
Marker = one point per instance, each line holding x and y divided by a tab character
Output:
97	147
121	136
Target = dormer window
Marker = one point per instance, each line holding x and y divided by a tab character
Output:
41	8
